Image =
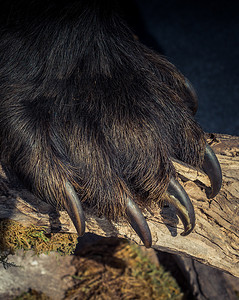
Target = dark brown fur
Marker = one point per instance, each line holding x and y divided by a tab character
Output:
82	100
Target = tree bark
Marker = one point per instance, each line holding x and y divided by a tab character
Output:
214	241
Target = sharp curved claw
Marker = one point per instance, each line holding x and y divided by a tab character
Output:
74	209
138	222
213	170
180	200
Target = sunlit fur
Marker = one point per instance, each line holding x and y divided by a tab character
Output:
82	100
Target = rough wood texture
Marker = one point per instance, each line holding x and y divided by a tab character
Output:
214	241
197	276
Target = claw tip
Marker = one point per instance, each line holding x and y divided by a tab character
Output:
138	222
187	229
212	168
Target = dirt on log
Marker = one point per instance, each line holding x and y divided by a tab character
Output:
214	241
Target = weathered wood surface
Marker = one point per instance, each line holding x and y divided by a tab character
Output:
206	283
214	241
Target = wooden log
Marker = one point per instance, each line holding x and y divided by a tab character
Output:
214	241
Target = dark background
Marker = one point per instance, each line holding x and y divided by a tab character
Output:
202	39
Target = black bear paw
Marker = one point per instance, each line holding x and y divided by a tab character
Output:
92	118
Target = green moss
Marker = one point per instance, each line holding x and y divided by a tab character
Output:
113	268
32	295
120	271
163	285
14	236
